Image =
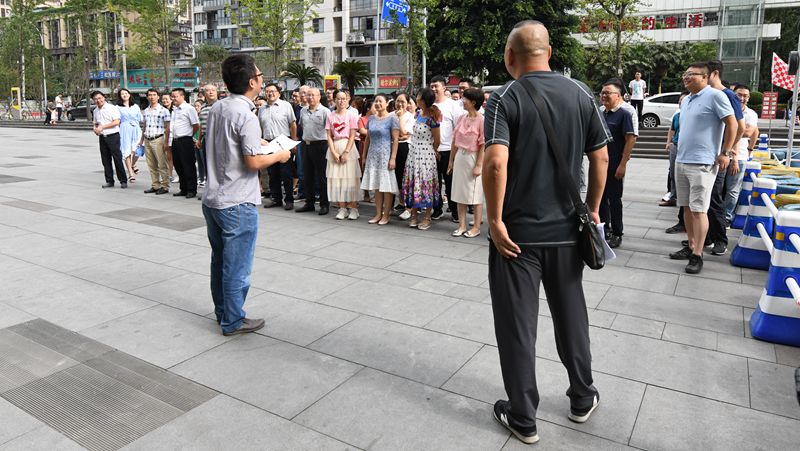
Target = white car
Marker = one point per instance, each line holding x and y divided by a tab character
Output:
658	109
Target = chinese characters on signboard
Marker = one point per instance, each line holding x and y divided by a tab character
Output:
691	20
103	75
391	82
182	77
694	20
769	105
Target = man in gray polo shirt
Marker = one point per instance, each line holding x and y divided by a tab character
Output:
277	118
704	115
315	148
233	140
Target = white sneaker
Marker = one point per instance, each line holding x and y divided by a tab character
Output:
342	213
201	183
174	179
405	215
353	214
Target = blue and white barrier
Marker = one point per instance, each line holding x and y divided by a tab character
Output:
752	251
752	169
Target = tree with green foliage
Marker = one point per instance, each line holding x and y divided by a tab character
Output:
612	26
412	40
21	49
209	59
470	44
90	26
354	73
277	25
303	74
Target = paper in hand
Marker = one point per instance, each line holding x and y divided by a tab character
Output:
282	142
610	255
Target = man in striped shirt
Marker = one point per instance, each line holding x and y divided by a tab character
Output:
211	96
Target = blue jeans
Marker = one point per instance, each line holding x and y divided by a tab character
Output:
734	184
298	161
232	235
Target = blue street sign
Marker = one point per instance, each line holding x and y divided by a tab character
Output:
400	7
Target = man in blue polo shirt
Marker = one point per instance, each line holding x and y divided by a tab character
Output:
705	115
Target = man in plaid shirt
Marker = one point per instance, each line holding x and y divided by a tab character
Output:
155	135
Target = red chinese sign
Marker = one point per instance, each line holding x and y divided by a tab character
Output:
670	22
769	105
694	20
649	23
390	82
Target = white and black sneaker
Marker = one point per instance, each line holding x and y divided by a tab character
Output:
529	436
581	415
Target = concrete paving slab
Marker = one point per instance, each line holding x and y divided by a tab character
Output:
440	268
281	378
227	423
746	347
162	335
718	291
470	320
722	426
126	273
638	326
12	316
772	389
16	422
690	336
553	436
440	420
43	437
420	355
283	279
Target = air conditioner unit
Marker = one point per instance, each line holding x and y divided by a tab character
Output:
356	38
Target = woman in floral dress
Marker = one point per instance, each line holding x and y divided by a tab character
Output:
381	149
420	183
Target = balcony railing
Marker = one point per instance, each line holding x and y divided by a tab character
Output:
211	5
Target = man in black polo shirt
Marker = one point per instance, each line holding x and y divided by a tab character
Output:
620	123
534	228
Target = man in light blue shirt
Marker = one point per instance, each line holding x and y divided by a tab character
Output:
705	115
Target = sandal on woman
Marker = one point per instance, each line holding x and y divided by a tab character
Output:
425	224
471	234
413	224
458	232
131	179
135	170
374	220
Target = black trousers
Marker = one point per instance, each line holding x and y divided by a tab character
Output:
110	152
441	169
280	174
314	165
514	286
611	204
183	161
716	210
639	105
400	167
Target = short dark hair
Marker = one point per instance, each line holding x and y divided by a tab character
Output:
741	86
385	97
94	93
408	99
615	82
438	79
237	71
153	90
475	96
702	65
714	65
427	95
467	81
275	85
180	90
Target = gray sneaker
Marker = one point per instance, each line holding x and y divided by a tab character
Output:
248	325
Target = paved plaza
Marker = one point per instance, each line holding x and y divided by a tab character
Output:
376	337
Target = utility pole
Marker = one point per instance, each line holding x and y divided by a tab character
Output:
377	46
790	149
124	56
44	74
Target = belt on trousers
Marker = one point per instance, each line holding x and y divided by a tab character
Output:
110	134
308	143
175	138
154	137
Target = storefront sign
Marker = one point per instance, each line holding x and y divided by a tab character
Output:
390	82
182	77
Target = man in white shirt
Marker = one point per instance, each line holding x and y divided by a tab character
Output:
106	125
638	90
59	106
277	118
743	150
451	111
183	125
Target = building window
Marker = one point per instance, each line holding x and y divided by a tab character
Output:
318	25
317	56
363	4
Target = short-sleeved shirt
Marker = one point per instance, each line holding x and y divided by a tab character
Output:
233	132
341	124
183	119
407	123
637	88
619	123
702	127
202	116
468	134
314	123
537	211
276	119
102	116
750	119
676	127
451	111
154	120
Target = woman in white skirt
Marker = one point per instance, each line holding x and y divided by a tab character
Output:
381	149
466	163
343	170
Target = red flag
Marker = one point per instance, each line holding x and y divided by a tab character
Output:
780	73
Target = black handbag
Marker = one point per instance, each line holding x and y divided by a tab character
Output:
590	243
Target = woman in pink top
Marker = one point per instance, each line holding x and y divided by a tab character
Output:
466	163
343	170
